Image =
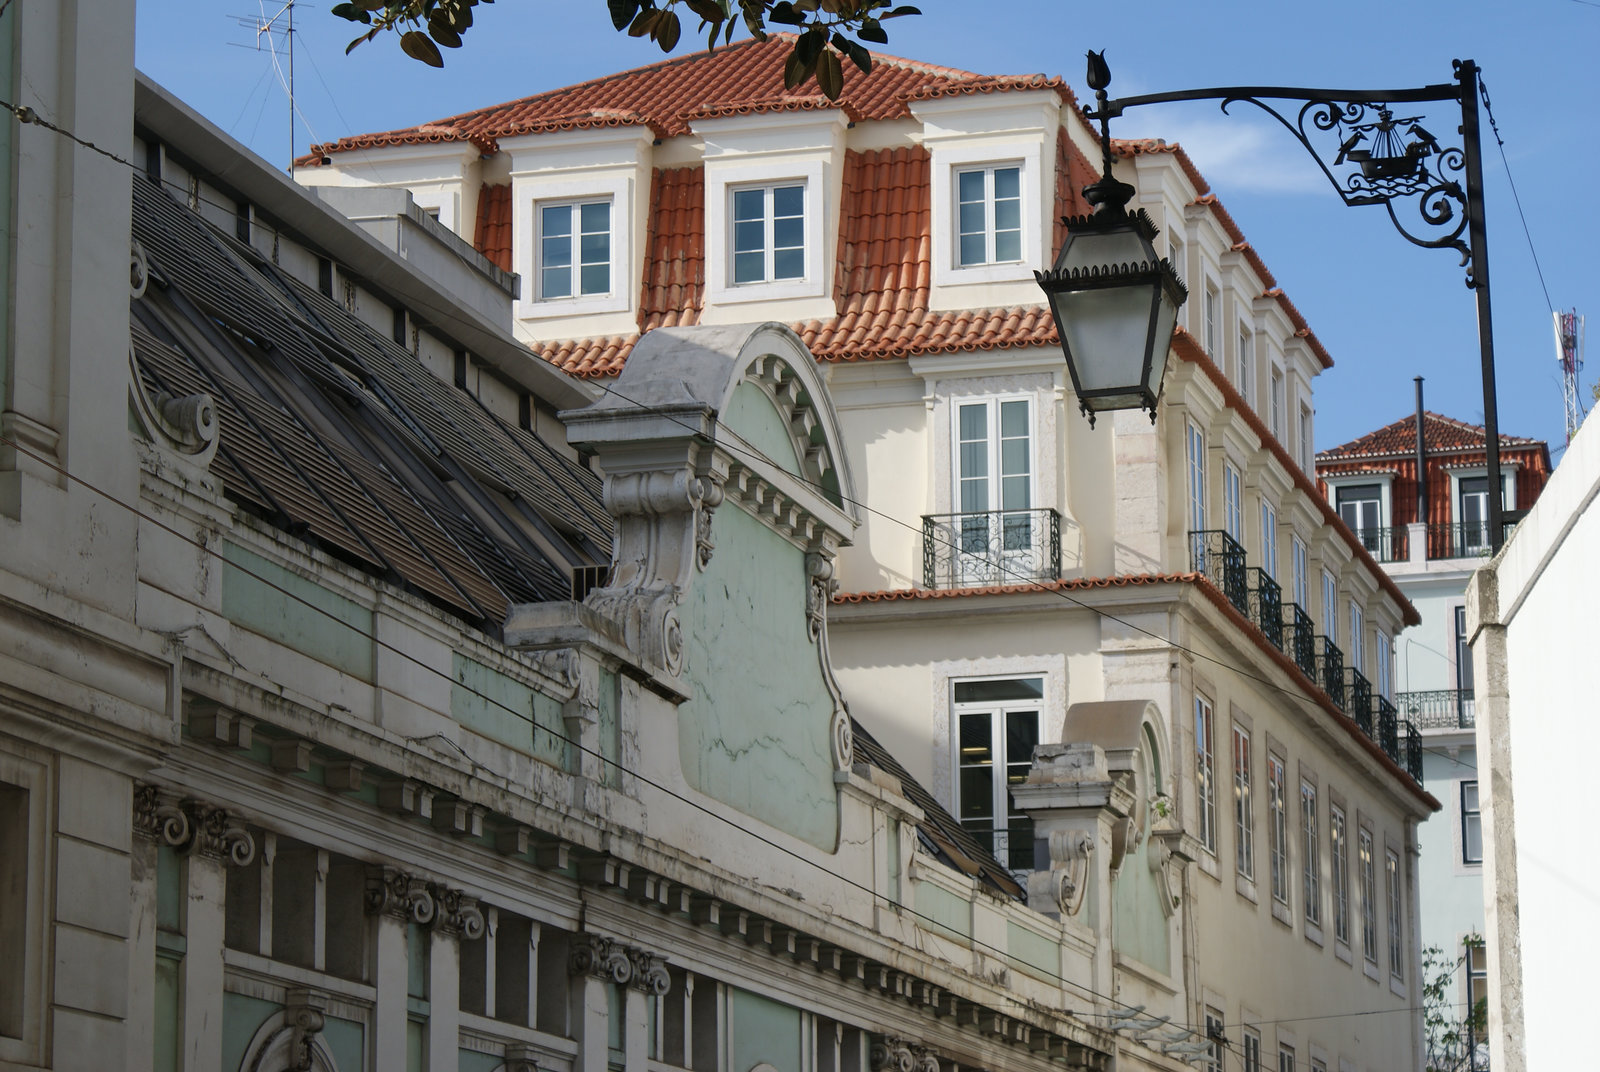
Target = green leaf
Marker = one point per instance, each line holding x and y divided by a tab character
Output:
903	9
622	12
363	39
349	11
667	30
797	69
858	55
415	43
830	76
783	12
642	23
708	10
810	43
871	31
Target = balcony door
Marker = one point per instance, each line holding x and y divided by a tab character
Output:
1361	508
994	474
997	729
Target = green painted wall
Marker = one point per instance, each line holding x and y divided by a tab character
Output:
8	20
611	730
763	1032
346	1040
504	709
1032	951
268	599
939	906
750	413
168	971
756	734
1140	926
242	1017
472	1061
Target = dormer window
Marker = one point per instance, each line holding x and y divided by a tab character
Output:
989	215
1360	506
769	233
574	249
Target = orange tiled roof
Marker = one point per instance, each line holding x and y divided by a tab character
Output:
492	235
667	96
1439	433
1126	580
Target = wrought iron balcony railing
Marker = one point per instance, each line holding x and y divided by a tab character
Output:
1330	670
1300	640
1388	737
1411	750
1358	699
1451	709
1266	605
1387	544
1218	555
1460	539
991	547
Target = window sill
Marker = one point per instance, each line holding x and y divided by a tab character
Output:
1397	987
1280	912
547	309
1370	969
1246	888
1208	864
1314	933
1342	951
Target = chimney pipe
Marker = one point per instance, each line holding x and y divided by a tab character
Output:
1422	461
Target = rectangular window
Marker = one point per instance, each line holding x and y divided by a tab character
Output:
1213	303
1247	366
1196	447
1391	876
1383	664
1243	816
1330	606
1205	762
1278	812
1358	650
989	215
769	233
1338	851
1175	255
1269	539
1473	510
574	249
1360	507
1307	461
1463	654
994	489
1285	1058
1252	1050
13	908
1477	962
1302	574
1232	502
1471	825
1275	409
996	730
1216	1034
1311	881
1369	896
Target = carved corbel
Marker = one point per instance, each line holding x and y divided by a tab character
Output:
1168	855
649	972
303	1012
216	835
456	913
820	588
891	1054
711	496
520	1057
1070	851
392	892
924	1060
185	425
157	817
600	957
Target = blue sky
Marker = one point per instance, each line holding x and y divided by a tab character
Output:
1387	311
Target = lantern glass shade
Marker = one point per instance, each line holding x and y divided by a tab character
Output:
1115	303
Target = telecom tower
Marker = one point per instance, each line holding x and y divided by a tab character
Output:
1569	351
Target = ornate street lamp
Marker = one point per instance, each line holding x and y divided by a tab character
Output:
1114	298
1115	303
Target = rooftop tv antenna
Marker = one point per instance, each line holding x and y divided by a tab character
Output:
1569	352
267	32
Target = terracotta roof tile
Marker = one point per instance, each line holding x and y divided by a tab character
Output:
891	595
1399	440
669	95
674	287
1132	147
492	235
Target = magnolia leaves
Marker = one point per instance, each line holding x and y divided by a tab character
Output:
820	47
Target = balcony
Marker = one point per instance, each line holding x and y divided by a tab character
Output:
1388	544
1300	641
990	548
1218	555
1330	670
1410	742
1266	606
1439	709
1388	737
1461	539
1359	699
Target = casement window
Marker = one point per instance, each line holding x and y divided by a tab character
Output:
1244	835
1285	1058
1306	454
988	215
994	490
1330	605
1463	654
1302	574
1360	507
14	885
1369	896
1477	973
1269	539
1247	366
1213	310
1339	853
1391	876
996	730
1311	879
1232	501
1251	1039
1471	824
574	249
1195	443
1358	648
1215	1032
1275	403
1279	816
1205	773
1175	255
768	233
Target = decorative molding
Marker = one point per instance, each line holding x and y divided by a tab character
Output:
649	972
607	959
303	1012
821	584
393	893
185	425
456	913
1070	851
158	818
216	835
711	496
138	271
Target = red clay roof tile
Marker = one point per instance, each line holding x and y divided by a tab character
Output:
492	234
1399	440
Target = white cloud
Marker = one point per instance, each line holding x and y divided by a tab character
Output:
1237	152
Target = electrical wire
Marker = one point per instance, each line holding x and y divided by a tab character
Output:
28	115
1483	91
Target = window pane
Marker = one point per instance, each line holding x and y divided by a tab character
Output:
1014	493
555	283
789	264
1022	734
972	249
748	267
977	793
974	422
595	248
596	278
970	184
1006	183
556	251
1013	419
788	201
971	217
1008	246
976	748
557	220
974	460
1014	457
596	217
788	233
1007	215
1024	688
748	237
748	204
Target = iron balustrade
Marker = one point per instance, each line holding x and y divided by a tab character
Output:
1386	544
1411	746
1330	670
1266	605
1220	557
1448	709
1300	640
990	547
1461	539
1388	730
1358	699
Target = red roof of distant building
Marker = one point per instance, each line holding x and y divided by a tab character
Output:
1399	440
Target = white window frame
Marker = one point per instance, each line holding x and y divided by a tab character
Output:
721	181
1396	898
1470	818
1307	455
530	192
1311	878
1302	572
575	237
1247	365
997	710
1275	414
947	160
1330	606
1508	492
1285	1057
1211	315
984	569
987	170
1205	761
1269	538
1358	638
1215	1025
1367	864
1339	860
1250	1047
1383	664
769	248
1244	831
1195	448
1278	812
1233	501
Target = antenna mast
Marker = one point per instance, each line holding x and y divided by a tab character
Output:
1569	352
265	31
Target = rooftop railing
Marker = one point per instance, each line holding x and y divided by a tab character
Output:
1266	606
1439	709
1219	556
990	548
